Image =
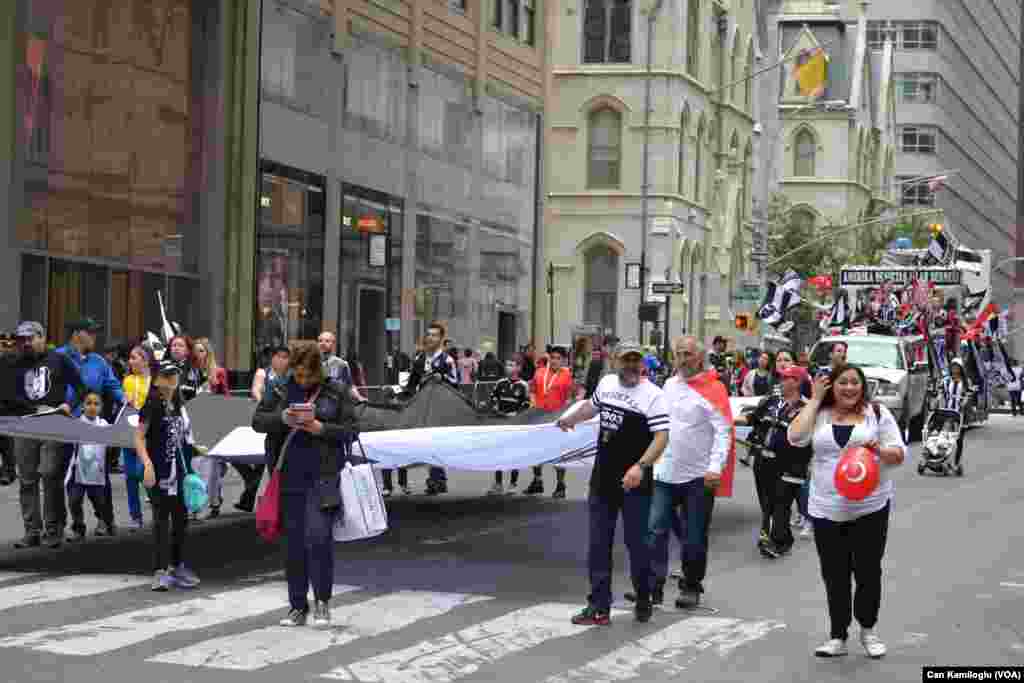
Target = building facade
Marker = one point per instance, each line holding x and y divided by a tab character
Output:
120	122
399	148
701	162
831	155
957	74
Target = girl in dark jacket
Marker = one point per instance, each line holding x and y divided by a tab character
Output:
315	444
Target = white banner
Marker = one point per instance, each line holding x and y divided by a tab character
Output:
469	448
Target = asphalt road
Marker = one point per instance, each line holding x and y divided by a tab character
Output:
470	588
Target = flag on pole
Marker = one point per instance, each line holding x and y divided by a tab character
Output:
840	314
811	72
779	298
939	248
937	183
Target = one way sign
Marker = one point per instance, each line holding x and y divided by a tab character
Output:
663	288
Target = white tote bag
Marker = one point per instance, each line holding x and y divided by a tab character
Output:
364	514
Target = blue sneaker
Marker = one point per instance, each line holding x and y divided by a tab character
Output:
184	577
162	581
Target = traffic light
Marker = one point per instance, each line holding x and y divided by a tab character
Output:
935	229
743	321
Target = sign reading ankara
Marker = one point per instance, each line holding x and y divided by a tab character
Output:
879	276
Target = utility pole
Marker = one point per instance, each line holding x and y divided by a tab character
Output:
551	302
645	182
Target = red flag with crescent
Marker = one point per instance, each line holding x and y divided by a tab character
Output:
708	385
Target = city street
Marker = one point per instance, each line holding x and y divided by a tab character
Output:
472	588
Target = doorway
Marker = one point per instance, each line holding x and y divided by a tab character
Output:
372	336
506	336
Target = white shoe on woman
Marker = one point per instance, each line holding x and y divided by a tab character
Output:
832	648
873	645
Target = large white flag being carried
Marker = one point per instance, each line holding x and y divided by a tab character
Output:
780	298
840	314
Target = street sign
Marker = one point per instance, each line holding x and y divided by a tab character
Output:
632	276
669	288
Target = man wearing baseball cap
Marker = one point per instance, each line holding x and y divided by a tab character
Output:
39	381
633	435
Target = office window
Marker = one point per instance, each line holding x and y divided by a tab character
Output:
605	149
916	88
457	125
606	31
530	13
914	192
917	139
458	6
601	287
905	35
804	150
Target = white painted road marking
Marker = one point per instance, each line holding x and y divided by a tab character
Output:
460	654
278	644
64	588
670	651
1010	584
14	576
112	633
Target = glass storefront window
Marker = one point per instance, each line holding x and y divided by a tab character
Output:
107	117
371	278
289	257
76	290
475	278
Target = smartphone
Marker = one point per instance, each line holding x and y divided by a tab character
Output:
303	411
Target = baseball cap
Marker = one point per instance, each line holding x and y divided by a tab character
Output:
168	367
85	324
626	348
29	328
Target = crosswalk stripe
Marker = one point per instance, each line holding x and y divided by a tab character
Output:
669	651
64	588
130	628
14	576
459	654
278	644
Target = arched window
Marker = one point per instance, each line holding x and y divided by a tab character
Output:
601	285
747	171
604	153
698	159
684	127
748	84
693	39
804	150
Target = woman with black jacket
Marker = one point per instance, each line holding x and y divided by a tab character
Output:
315	443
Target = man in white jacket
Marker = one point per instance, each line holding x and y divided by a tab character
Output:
699	440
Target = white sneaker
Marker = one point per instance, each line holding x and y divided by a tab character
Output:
512	489
873	645
796	519
496	490
832	648
807	529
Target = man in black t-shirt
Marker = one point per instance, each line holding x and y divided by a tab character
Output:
633	435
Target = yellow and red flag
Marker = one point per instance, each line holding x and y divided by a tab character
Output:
811	72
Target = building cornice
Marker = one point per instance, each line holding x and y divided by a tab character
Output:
629	70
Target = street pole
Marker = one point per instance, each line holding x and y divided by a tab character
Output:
551	303
1019	280
668	326
644	187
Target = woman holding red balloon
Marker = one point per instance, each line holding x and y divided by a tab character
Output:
855	443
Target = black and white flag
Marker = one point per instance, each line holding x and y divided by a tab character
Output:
840	314
940	248
780	298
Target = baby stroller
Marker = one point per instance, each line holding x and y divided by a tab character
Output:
942	434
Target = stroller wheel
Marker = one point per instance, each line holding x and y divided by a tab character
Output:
959	470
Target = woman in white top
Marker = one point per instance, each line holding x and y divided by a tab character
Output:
850	535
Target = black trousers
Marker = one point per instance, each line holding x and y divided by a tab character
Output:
403	478
251	475
100	504
709	508
1015	405
170	518
559	472
7	456
785	493
766	478
852	549
513	477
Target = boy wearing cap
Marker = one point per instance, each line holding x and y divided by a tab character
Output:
633	435
35	381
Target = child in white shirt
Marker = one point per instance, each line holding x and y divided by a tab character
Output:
87	476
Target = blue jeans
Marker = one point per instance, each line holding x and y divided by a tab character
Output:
604	514
692	497
310	541
132	468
